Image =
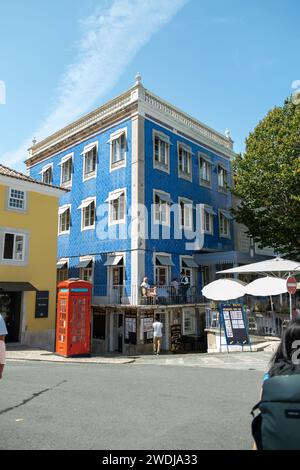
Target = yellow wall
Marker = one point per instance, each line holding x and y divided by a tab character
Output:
40	221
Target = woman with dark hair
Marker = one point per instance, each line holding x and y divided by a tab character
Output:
285	362
282	362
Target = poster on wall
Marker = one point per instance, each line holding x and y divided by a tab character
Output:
130	328
146	330
232	317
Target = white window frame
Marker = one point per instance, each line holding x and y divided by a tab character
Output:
186	202
167	268
66	207
110	199
84	206
86	150
114	136
44	170
87	258
158	165
192	313
211	220
203	182
221	233
182	174
157	192
9	197
14	260
66	260
193	271
63	161
222	188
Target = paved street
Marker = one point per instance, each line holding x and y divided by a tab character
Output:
165	402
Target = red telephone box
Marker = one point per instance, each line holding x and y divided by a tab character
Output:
73	318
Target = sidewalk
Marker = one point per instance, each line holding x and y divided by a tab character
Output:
25	353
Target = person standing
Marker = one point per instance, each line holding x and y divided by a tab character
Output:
184	286
157	335
3	333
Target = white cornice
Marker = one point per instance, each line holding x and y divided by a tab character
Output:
145	103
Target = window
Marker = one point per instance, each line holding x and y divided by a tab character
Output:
163	265
161	151
162	203
47	174
186	213
222	178
224	220
64	219
14	247
17	199
90	161
117	203
118	142
184	162
62	274
208	220
66	170
86	274
189	322
88	213
205	171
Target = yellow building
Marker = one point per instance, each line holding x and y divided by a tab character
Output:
28	250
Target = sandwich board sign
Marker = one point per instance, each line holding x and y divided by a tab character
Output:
232	318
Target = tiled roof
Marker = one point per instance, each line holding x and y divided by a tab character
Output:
4	170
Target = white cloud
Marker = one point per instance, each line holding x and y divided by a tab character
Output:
111	37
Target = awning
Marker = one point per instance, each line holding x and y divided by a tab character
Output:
63	209
114	196
17	287
88	148
86	203
114	260
61	264
86	263
45	168
163	197
116	135
65	159
189	263
210	210
164	260
226	214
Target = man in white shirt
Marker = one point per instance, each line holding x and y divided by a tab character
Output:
145	283
157	335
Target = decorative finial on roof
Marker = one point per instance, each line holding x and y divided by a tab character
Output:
138	79
228	134
34	141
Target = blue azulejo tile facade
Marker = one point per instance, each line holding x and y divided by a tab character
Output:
101	240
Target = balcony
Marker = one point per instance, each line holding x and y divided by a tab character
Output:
155	296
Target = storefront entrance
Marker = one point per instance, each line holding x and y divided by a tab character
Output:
116	333
10	308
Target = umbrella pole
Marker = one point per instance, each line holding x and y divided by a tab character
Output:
291	309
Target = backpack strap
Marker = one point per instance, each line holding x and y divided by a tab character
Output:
255	407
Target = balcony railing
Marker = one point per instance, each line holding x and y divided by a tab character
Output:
156	295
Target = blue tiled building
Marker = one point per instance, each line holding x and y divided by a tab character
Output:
141	173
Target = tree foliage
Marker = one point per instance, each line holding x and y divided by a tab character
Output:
267	181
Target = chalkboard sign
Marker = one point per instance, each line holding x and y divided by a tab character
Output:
42	304
175	338
130	329
233	320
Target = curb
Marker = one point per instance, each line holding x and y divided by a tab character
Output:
128	361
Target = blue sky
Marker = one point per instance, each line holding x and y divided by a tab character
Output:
225	63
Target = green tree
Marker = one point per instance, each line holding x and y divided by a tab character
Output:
267	181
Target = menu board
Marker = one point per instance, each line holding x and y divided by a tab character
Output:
175	338
42	304
234	324
130	328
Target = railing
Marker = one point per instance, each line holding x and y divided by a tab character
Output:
156	295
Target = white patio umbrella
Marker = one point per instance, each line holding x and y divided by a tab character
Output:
224	289
266	286
273	266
